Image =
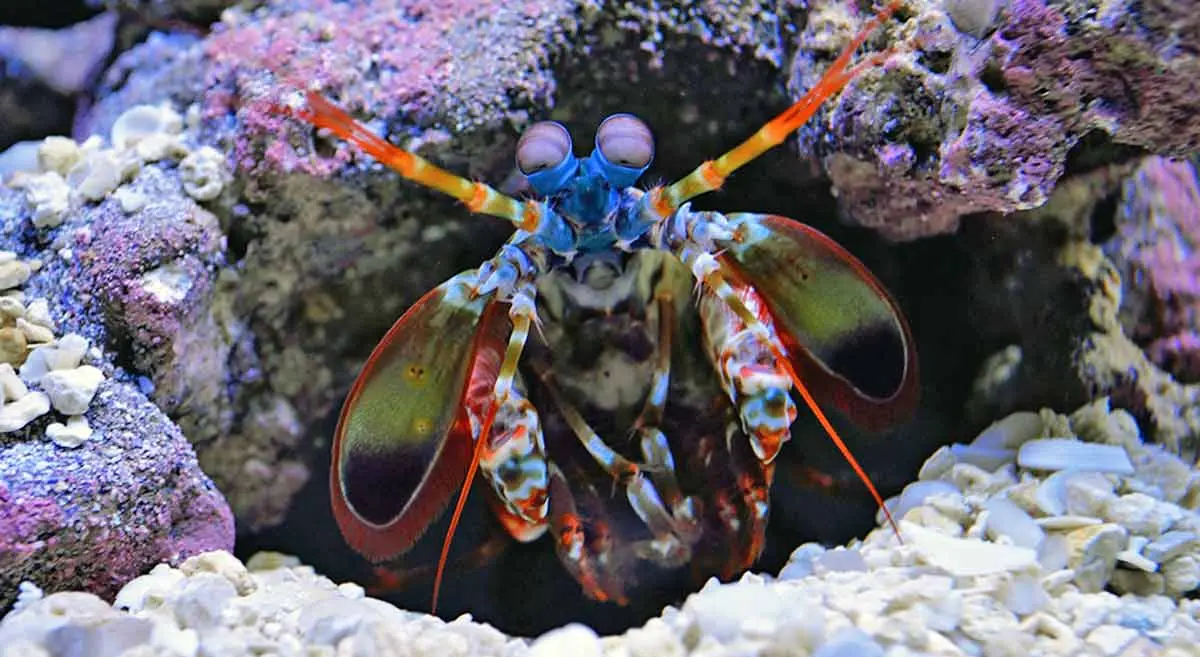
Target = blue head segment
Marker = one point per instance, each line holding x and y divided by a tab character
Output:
544	156
624	149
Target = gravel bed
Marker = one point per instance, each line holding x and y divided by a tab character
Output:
1046	535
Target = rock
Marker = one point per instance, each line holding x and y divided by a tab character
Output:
1065	454
966	123
71	391
17	414
570	640
112	508
42	70
69	435
1157	225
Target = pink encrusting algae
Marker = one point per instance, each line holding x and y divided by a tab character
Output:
386	59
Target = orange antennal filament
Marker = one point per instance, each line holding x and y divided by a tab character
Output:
504	381
837	440
480	444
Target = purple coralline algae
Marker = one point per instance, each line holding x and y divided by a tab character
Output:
1157	234
1095	292
988	120
98	515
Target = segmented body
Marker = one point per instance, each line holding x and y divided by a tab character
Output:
619	345
702	500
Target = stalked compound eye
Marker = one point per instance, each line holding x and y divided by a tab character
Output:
544	156
625	140
543	145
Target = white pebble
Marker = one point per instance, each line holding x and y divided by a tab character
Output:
850	642
204	173
220	562
71	391
148	591
572	640
15	415
1142	514
1110	639
57	154
327	622
1023	595
1064	523
11	385
130	200
70	435
1010	433
962	556
96	175
1007	519
1054	554
202	599
66	353
1182	574
13	272
1093	554
1067	453
34	333
1170	545
915	495
840	559
937	465
987	458
722	610
1134	560
38	312
50	196
801	562
142	121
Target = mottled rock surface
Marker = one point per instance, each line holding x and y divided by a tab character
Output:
96	516
1157	232
1083	320
989	118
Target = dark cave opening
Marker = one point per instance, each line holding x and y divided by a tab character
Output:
698	103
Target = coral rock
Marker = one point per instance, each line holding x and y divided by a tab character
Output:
97	516
984	119
1154	248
